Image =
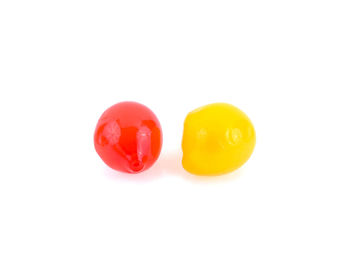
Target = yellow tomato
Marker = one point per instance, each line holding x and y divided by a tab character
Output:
217	139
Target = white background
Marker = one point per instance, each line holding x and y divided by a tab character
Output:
64	213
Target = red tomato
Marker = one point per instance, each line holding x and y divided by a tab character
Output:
128	137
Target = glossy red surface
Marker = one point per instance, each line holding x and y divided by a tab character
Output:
128	137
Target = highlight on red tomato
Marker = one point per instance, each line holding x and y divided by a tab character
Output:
128	137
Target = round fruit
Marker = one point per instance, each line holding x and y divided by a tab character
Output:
128	137
217	139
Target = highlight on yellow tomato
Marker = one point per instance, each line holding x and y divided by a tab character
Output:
217	139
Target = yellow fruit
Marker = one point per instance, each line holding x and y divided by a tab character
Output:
217	139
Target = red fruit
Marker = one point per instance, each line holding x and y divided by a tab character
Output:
128	137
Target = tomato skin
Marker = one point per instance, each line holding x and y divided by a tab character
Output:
128	137
218	138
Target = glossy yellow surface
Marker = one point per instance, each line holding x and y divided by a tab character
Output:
217	139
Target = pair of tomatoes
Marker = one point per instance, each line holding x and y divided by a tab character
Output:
217	138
